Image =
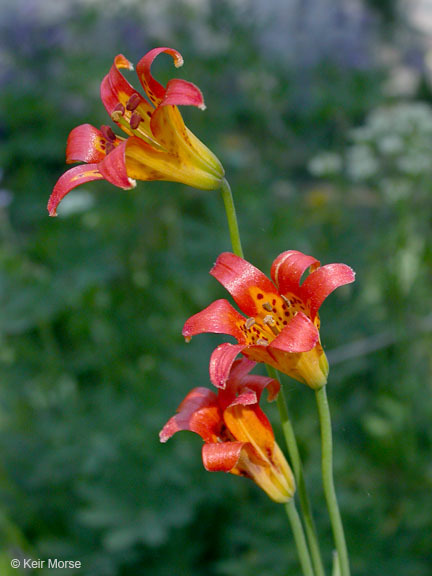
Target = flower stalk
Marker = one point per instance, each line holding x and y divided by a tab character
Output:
328	481
299	538
306	558
231	218
293	451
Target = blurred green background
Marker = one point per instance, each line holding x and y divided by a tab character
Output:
321	114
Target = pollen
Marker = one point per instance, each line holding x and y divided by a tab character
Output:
118	112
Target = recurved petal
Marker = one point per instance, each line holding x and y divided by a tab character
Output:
116	93
113	168
221	457
218	318
300	335
258	384
288	268
70	180
243	281
85	143
245	388
221	361
197	413
182	93
154	90
322	282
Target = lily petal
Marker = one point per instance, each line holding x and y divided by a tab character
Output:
241	380
222	457
85	143
322	282
288	268
221	360
300	335
243	281
113	168
70	180
115	90
219	318
197	413
144	162
250	424
182	93
153	89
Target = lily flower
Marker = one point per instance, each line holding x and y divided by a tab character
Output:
238	438
158	145
281	322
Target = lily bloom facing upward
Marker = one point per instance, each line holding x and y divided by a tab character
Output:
158	144
281	327
238	438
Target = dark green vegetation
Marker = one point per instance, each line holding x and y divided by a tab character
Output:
92	304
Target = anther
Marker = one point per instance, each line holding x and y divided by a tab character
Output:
133	102
108	133
270	322
267	306
249	323
118	112
109	147
262	342
135	120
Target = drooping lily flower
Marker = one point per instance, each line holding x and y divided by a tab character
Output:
238	438
158	145
281	327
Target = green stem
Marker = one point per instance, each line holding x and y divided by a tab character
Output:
296	462
328	482
232	218
286	425
299	538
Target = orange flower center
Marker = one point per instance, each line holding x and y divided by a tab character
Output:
274	312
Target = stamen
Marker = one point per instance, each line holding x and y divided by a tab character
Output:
109	147
267	306
108	133
270	322
249	323
285	299
262	342
135	120
133	102
118	112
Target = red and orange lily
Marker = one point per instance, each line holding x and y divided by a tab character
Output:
158	145
238	438
281	327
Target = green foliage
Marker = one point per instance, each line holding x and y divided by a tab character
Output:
92	360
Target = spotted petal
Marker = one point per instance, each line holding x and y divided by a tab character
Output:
244	282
